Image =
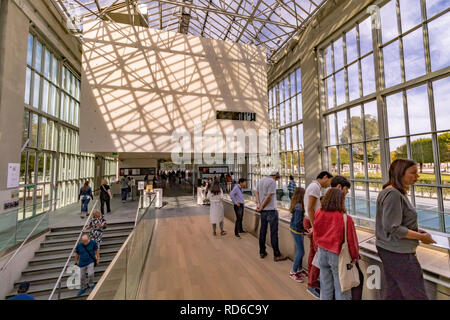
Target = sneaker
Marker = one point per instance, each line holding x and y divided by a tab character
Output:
303	273
279	258
296	277
314	292
237	235
263	255
81	292
92	287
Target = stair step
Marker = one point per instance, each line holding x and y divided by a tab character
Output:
63	257
64	234
59	242
68	247
57	267
52	277
78	227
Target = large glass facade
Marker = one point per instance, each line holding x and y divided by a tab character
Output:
403	113
286	115
52	168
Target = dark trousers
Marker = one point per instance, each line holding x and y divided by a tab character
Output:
269	217
239	211
313	271
124	193
403	276
357	291
102	204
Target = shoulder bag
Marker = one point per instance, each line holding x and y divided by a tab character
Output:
90	255
348	273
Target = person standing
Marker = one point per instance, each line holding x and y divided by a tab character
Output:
291	186
105	197
22	292
398	235
229	182
124	188
86	258
312	204
96	225
266	202
85	195
296	227
216	213
238	199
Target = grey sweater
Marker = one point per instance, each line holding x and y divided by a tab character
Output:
395	215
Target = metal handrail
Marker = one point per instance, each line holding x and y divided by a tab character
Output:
26	238
58	282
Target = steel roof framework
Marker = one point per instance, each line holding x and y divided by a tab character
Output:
267	23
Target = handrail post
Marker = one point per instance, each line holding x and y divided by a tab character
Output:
59	291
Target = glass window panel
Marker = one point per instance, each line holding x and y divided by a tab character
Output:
410	14
299	80
41	162
422	153
444	155
286	88
358	161
36	90
328	61
436	6
282	114
439	42
46	64
294	109
344	161
418	110
300	137
288	139
352	46
45	95
292	82
30	170
331	129
340	87
414	54
23	168
55	68
332	160
34	131
43	134
395	115
368	75
52	97
365	36
353	81
295	162
26	124
299	107
356	124
389	27
392	70
441	92
397	149
295	138
38	57
283	140
343	129
281	91
28	86
330	94
371	120
338	54
50	135
374	160
287	108
30	50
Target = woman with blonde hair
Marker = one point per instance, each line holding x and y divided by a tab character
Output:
97	224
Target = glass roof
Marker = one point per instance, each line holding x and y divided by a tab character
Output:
268	23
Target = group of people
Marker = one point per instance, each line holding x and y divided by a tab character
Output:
396	231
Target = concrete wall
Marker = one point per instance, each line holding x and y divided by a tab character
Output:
139	85
331	17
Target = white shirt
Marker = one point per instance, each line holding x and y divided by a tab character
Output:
312	190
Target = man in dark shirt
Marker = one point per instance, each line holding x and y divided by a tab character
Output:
22	292
87	256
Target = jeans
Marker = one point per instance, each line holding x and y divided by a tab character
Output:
84	204
403	276
300	252
87	282
124	192
329	277
269	217
313	272
239	211
102	205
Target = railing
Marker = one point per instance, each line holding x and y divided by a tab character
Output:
121	279
58	282
39	227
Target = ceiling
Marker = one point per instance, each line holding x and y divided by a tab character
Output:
267	23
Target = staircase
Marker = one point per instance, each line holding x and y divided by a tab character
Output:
45	267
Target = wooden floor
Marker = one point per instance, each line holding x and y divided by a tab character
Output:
187	262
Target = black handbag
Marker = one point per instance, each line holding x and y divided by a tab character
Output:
90	255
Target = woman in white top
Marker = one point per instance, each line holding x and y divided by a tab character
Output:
216	214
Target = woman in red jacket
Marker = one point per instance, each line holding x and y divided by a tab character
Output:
329	236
